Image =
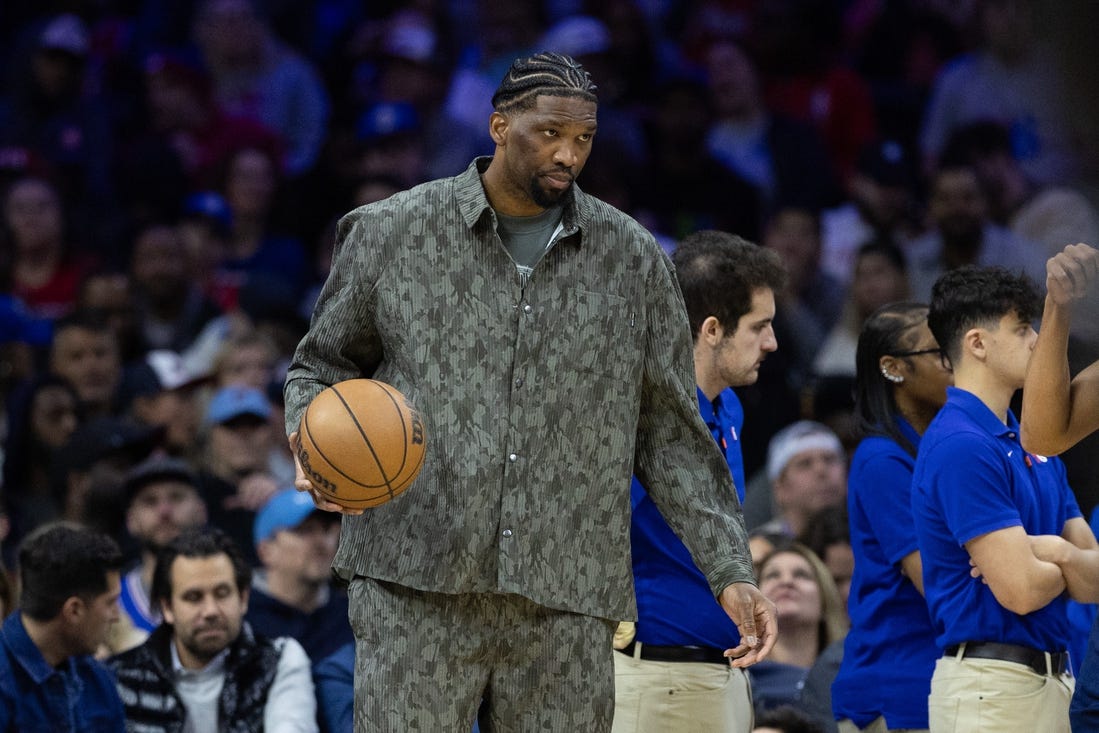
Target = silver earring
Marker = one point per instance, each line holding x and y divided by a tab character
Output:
894	378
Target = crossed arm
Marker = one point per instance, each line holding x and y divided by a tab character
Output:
1026	572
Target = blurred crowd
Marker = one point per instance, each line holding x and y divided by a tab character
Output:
171	175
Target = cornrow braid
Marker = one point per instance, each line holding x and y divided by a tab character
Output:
543	73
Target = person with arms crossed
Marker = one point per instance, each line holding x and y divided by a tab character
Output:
203	669
980	500
48	678
543	336
674	676
890	652
1059	411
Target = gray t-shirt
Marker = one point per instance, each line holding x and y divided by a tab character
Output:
526	238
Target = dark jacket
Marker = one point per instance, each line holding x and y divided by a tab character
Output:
146	683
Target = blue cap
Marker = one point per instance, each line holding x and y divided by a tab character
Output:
211	206
383	119
285	510
18	324
234	401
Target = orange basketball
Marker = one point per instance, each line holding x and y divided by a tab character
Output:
362	443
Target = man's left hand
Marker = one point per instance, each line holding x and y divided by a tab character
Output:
754	616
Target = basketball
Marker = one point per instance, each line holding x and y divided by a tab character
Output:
362	443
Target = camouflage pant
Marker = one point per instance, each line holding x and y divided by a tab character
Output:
424	661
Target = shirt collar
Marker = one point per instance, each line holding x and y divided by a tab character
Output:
978	411
26	652
472	202
214	666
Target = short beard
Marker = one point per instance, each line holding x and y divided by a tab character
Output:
546	199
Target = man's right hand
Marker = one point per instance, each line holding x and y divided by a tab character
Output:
1071	273
302	483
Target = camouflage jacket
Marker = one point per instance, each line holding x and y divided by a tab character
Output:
541	397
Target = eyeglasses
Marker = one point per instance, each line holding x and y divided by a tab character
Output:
943	359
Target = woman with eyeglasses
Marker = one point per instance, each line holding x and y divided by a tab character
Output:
890	652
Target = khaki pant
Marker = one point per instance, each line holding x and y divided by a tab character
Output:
679	697
999	697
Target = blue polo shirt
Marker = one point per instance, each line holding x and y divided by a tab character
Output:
889	653
675	606
78	696
973	477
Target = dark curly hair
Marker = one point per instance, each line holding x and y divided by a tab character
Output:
972	296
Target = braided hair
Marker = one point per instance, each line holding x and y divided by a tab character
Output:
543	73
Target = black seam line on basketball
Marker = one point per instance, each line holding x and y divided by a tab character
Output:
369	445
322	454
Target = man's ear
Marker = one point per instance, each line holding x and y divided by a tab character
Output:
72	609
711	331
973	342
498	128
166	611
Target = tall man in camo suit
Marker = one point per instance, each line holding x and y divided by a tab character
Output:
543	336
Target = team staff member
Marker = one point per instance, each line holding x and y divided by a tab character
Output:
1058	412
889	653
543	336
978	497
676	657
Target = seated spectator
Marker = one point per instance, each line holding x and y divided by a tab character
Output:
162	502
234	476
92	466
161	391
828	535
172	309
292	594
963	233
255	74
881	206
880	276
85	353
42	415
246	359
812	301
783	158
110	295
810	617
251	182
45	271
203	669
807	471
69	599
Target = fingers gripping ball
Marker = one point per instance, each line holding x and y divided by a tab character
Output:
362	443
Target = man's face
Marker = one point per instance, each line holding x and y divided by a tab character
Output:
206	609
99	612
242	444
957	204
545	148
304	552
812	479
162	510
89	360
176	410
1008	348
739	355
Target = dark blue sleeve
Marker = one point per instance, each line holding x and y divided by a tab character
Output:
882	485
334	677
973	487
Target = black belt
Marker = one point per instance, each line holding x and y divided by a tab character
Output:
653	653
1033	658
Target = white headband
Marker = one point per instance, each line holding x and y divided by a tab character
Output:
786	447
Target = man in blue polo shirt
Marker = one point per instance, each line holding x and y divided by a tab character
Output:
999	532
673	676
